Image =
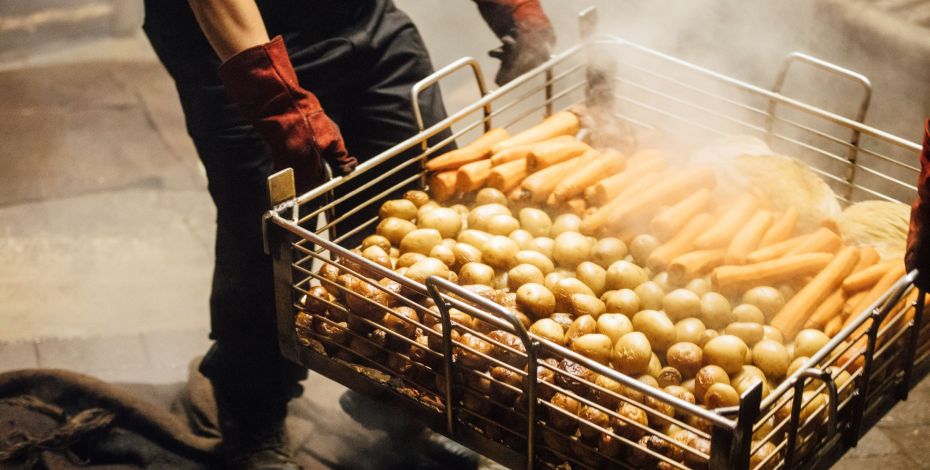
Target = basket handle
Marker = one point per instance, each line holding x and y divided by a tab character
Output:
436	284
434	78
796	402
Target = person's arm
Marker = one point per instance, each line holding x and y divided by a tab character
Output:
231	26
917	255
525	31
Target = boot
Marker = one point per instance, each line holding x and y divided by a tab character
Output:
255	446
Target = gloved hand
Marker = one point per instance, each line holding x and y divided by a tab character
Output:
263	84
918	237
525	31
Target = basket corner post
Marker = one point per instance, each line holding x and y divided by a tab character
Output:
281	189
730	447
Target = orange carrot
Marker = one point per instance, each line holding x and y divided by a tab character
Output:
472	176
867	277
574	184
747	238
782	229
607	189
833	326
477	150
539	185
442	185
561	123
767	273
777	250
507	176
517	152
821	241
576	206
797	311
720	235
892	274
831	308
694	264
664	225
644	156
549	153
678	245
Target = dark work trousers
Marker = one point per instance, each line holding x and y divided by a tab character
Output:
360	58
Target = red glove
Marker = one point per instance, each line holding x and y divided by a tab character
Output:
263	84
524	29
918	237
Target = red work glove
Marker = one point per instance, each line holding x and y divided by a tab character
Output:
263	84
524	29
918	237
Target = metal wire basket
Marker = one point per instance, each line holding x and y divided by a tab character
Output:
446	384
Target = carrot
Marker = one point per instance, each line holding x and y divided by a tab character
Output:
477	150
747	238
833	326
777	250
694	264
507	176
663	192
782	229
892	274
664	225
678	245
607	189
442	185
867	277
575	183
797	311
517	152
576	206
831	308
734	218
852	301
472	176
821	241
767	273
539	185
561	123
644	156
549	153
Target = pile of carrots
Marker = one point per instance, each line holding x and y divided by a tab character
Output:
739	245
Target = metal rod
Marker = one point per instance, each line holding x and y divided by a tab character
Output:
911	351
797	404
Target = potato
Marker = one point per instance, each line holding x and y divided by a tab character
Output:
535	300
690	330
552	279
479	217
657	327
663	281
686	357
621	301
699	286
400	208
401	321
570	249
417	197
750	333
720	395
593	276
796	364
475	238
548	329
499	252
425	268
500	281
463	254
535	221
767	299
680	304
408	259
430	205
536	259
581	326
715	310
378	256
522	274
476	273
565	223
607	251
421	241
543	245
625	275
502	224
445	220
809	341
650	295
631	354
594	346
523	239
395	229
377	240
642	246
772	333
584	304
655	366
614	325
565	320
706	377
564	289
444	254
490	196
727	351
748	313
669	376
771	358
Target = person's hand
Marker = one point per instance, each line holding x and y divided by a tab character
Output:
917	255
525	32
263	84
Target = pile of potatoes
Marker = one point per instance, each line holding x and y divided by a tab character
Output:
592	295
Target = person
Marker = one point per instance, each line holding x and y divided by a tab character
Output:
272	84
917	255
